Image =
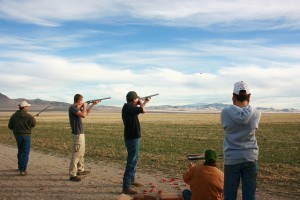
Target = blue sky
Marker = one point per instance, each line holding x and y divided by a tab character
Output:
188	51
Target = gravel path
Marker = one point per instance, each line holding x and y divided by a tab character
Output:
48	179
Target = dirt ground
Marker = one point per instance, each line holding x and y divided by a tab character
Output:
48	179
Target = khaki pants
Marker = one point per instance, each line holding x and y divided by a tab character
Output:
77	159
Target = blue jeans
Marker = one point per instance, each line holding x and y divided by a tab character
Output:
187	194
132	146
246	171
23	143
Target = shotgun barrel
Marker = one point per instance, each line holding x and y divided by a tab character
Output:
144	98
193	157
92	101
41	111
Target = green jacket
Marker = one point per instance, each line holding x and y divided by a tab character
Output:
21	123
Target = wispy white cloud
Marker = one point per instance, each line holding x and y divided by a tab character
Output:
184	55
267	14
51	13
46	41
59	78
207	57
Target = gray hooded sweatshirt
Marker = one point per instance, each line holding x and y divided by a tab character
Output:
240	143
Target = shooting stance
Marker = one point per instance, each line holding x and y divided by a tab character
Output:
132	135
77	111
21	123
206	181
239	122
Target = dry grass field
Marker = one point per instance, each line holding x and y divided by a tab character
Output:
168	138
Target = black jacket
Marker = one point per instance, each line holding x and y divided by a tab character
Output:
132	128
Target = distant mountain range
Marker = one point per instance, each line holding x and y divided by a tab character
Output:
210	108
37	104
7	104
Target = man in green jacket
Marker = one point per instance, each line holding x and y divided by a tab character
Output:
21	124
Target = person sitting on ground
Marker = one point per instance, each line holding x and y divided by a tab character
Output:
206	181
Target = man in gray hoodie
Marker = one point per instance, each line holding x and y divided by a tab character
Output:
239	122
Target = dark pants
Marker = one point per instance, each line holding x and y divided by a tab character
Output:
246	171
187	194
23	143
132	146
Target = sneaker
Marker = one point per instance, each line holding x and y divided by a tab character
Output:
83	173
137	184
23	173
130	191
75	178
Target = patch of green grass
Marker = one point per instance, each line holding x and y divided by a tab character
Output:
168	138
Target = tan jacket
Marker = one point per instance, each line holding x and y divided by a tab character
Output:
206	182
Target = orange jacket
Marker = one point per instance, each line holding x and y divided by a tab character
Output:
206	182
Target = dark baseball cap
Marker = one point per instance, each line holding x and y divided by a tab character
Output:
132	95
210	156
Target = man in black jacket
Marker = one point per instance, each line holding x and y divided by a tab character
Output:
132	134
21	124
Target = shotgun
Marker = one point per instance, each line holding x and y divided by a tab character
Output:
41	111
92	101
195	157
144	98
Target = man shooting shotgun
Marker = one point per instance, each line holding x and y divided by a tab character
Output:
148	97
92	101
132	137
77	111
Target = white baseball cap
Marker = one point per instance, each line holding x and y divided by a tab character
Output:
241	85
24	103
